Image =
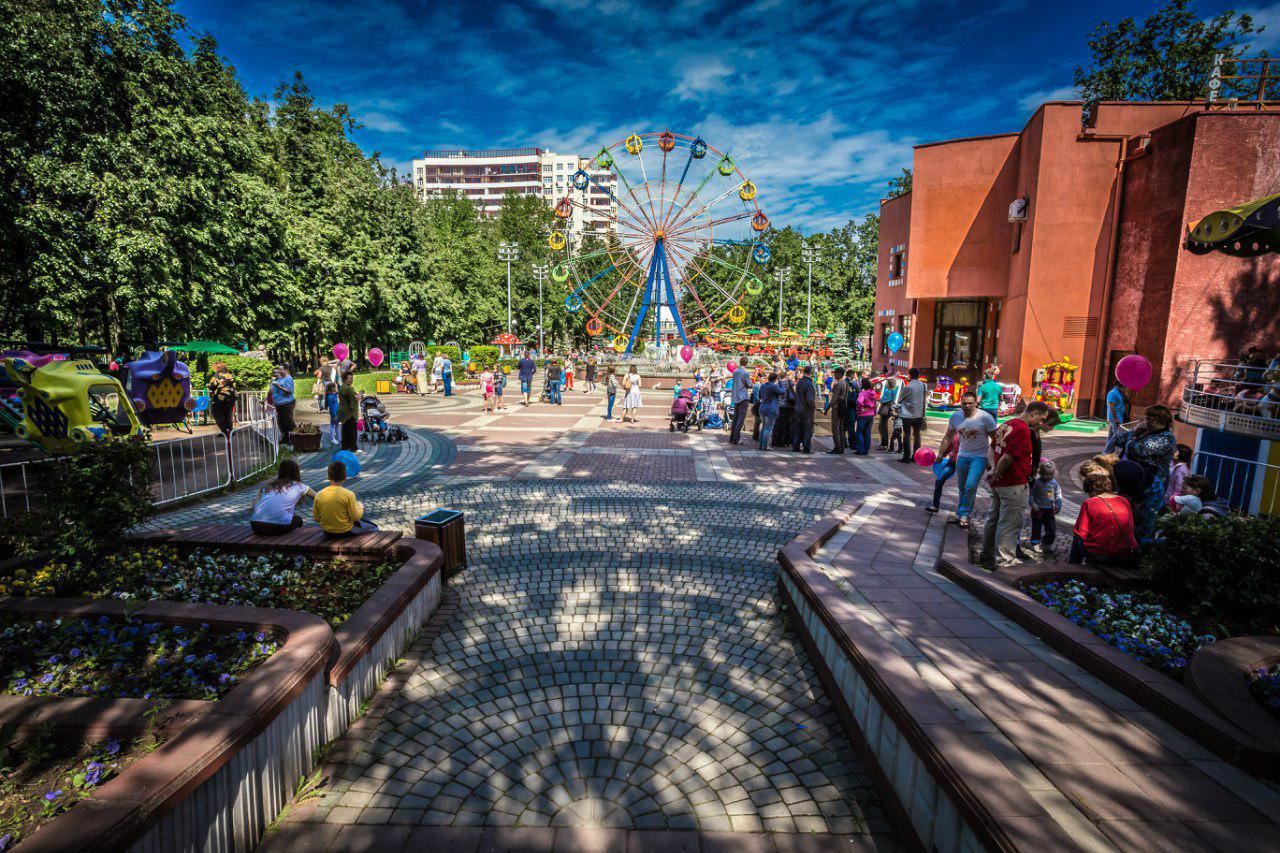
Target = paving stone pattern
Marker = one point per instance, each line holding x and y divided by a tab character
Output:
618	660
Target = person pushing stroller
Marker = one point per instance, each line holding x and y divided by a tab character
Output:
681	406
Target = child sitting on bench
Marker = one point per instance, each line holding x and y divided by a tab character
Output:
275	509
337	511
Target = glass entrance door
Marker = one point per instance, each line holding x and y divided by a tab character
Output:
958	334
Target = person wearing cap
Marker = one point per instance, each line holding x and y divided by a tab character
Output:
1187	504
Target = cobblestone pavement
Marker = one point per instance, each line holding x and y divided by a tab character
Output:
617	660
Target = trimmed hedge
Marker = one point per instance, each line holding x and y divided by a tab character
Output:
250	374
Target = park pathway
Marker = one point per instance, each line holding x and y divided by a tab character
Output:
617	661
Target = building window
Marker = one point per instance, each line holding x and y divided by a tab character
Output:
886	329
897	264
905	322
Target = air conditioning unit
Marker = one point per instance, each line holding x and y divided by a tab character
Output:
1018	209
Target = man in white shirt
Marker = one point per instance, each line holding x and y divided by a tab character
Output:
974	426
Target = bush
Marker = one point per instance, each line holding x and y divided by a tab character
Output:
1220	572
87	502
250	374
454	354
484	356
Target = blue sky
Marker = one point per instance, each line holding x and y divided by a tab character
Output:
819	102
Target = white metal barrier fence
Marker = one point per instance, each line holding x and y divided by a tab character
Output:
183	467
198	464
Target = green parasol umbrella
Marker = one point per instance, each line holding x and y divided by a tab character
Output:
210	347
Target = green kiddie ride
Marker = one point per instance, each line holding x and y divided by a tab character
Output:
70	403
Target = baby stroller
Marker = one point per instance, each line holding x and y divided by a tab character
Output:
374	412
681	408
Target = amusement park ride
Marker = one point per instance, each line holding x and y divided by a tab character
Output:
60	400
668	248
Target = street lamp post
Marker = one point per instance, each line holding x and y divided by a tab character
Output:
782	275
540	272
810	254
508	252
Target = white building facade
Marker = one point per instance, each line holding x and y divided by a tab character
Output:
486	176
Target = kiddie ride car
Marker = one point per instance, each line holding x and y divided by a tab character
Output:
159	388
69	403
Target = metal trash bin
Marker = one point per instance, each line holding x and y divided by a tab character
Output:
446	529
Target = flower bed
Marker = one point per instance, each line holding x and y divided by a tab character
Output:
43	778
125	658
1264	684
1136	623
331	589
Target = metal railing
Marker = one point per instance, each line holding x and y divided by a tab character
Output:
198	464
1231	398
181	468
16	481
1248	485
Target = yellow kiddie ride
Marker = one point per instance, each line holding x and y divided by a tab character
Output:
69	403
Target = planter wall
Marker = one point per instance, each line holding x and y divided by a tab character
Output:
229	766
1162	695
377	632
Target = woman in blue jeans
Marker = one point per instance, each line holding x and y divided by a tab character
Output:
770	405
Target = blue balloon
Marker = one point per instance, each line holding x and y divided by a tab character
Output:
895	341
349	461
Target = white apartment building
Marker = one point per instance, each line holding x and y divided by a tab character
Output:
487	176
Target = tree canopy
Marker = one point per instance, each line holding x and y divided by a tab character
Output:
1167	57
145	196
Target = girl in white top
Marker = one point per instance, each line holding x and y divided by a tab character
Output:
632	402
274	510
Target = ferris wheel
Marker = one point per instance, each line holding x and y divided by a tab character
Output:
668	231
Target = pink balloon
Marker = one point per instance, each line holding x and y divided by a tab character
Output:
341	351
686	352
732	366
925	457
375	356
1133	371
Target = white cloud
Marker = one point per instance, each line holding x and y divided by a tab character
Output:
1028	103
702	76
381	122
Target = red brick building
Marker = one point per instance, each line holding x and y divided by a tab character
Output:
1093	266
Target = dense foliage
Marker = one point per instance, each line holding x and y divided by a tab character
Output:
1135	623
1167	57
1220	572
87	500
145	196
125	658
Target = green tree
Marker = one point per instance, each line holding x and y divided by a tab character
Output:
900	185
1167	57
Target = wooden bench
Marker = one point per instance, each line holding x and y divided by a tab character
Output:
302	540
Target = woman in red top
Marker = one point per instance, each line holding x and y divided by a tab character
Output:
1104	530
